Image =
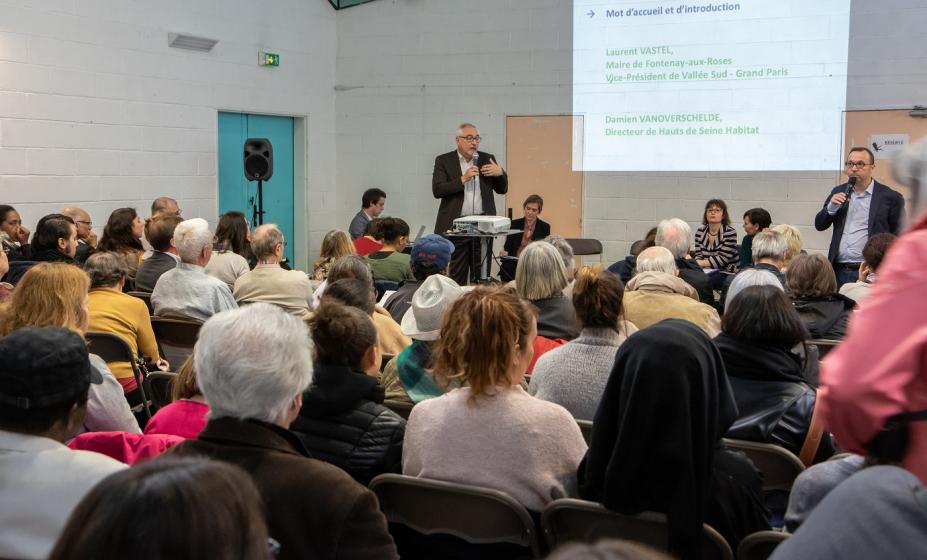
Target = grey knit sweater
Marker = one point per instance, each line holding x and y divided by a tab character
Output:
574	375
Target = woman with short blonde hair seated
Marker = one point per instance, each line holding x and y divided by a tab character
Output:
491	433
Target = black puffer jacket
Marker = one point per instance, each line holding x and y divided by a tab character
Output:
343	422
825	317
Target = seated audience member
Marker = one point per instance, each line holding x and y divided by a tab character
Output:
532	228
335	245
755	221
574	375
814	483
569	264
159	230
410	376
769	248
540	279
879	512
389	262
231	250
774	401
716	240
86	239
813	286
122	235
124	447
268	282
165	205
676	235
343	420
873	253
14	236
187	291
190	509
656	293
55	295
625	267
359	293
372	203
185	416
657	440
751	277
42	405
491	433
430	255
371	241
252	365
112	311
793	241
879	372
55	239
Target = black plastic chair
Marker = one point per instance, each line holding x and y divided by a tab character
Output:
760	545
160	384
474	514
112	348
176	338
585	426
401	408
146	297
567	520
585	246
824	346
780	467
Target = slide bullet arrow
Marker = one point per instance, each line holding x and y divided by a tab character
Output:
590	13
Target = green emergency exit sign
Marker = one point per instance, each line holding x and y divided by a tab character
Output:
270	59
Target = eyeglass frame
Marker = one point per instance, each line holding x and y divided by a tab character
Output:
471	138
857	164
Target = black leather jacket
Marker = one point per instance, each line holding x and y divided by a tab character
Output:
825	317
343	422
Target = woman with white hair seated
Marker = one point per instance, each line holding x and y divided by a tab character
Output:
540	278
252	365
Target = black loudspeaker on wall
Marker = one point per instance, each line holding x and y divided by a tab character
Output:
259	159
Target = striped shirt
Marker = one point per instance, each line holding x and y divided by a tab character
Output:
723	254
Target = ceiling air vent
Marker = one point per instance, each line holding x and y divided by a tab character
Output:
190	42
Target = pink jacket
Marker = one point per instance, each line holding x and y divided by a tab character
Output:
125	447
879	370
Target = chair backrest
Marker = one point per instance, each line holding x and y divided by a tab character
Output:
568	519
760	545
401	408
585	246
384	359
112	348
160	383
146	297
824	346
474	514
176	338
779	466
585	426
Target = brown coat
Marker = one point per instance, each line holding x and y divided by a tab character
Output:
314	510
651	297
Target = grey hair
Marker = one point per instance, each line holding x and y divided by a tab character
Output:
656	259
105	269
910	169
252	362
265	239
769	244
465	125
190	236
540	272
750	277
566	251
675	235
350	266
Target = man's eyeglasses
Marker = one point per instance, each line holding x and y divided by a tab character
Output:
469	138
855	164
88	224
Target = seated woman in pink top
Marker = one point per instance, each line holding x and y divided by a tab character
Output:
185	416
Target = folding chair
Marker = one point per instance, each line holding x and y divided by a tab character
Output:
471	513
159	383
779	466
401	408
824	346
760	545
585	426
112	348
146	297
568	519
585	246
176	338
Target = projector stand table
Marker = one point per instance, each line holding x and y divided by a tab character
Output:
480	253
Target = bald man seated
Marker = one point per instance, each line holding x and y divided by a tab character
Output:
268	282
86	238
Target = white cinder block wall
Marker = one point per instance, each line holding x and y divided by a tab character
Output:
411	70
97	111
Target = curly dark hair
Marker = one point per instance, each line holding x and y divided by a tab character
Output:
117	235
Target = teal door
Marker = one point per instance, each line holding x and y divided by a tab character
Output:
238	193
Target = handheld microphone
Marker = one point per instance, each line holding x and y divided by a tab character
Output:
850	184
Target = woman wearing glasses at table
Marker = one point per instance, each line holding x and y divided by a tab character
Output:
716	242
870	209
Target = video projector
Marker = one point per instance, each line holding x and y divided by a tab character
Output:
482	224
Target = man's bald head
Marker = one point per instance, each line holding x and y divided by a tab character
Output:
656	259
165	205
264	241
81	219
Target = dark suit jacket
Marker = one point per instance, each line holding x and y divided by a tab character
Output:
692	273
314	510
151	269
446	185
886	212
541	231
84	250
358	225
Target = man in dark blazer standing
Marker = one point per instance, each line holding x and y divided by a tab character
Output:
872	208
465	180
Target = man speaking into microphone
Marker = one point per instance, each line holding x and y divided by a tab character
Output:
465	180
858	209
